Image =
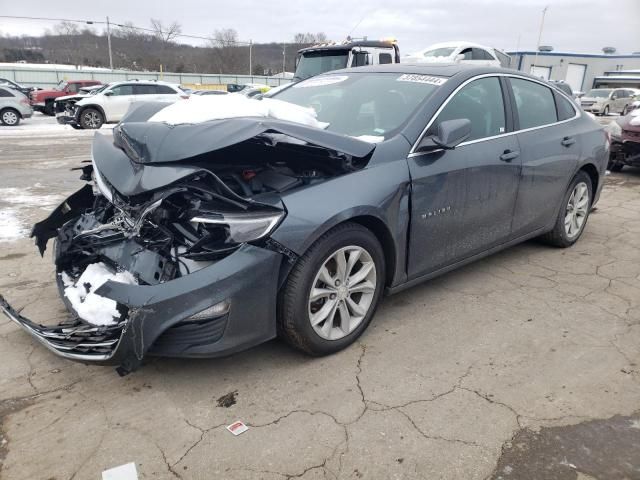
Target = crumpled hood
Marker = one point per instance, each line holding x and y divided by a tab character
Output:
159	142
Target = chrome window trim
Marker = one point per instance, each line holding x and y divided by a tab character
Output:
413	152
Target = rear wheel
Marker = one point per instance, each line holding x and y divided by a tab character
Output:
90	118
574	212
616	167
9	117
48	108
333	291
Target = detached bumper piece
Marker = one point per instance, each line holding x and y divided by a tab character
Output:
73	339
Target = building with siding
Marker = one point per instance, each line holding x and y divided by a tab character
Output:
581	71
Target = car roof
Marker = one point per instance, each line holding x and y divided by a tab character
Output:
462	44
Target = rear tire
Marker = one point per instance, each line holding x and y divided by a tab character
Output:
574	213
91	119
616	167
332	291
48	108
625	110
9	117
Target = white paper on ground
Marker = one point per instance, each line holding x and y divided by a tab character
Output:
237	428
123	472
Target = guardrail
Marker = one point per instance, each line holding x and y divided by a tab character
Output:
43	77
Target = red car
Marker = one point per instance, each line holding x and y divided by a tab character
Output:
625	141
42	100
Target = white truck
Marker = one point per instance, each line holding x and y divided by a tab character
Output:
325	57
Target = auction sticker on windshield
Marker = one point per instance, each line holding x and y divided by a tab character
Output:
321	81
417	78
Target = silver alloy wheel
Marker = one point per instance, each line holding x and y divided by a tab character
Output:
342	292
9	118
577	209
92	119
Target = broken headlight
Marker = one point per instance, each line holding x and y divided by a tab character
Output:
242	227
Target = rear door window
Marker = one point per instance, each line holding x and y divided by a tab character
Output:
481	102
480	54
145	90
165	90
535	104
565	108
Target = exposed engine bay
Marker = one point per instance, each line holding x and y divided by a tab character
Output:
161	205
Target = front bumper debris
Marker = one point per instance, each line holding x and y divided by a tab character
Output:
158	320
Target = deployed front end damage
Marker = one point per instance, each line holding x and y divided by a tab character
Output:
174	257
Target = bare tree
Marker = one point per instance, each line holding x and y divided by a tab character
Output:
166	34
226	37
309	38
66	28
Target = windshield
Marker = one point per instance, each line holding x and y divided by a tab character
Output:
599	93
439	52
363	104
61	85
321	61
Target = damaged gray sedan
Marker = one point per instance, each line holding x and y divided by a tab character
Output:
211	226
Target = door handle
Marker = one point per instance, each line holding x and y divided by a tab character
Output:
509	155
568	141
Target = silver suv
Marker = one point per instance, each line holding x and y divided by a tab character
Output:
14	106
603	101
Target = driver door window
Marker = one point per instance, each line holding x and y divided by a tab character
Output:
122	90
481	102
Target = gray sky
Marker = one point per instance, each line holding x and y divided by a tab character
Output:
570	25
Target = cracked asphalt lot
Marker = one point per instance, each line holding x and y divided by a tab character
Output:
512	367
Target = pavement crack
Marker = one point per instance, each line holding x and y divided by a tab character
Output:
435	437
495	402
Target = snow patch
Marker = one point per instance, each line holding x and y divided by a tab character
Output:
203	108
11	228
22	196
88	305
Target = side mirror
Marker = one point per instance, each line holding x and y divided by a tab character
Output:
450	134
108	93
459	57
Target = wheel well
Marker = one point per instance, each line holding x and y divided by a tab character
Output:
95	107
592	171
12	109
382	233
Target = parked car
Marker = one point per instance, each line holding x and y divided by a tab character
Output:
202	235
5	82
209	92
625	141
42	100
603	101
564	86
109	105
14	106
64	107
460	52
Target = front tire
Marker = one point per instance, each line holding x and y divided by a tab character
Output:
605	112
573	214
333	291
91	119
9	117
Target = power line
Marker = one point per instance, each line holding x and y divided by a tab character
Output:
120	25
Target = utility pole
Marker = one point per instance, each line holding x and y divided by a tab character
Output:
284	58
109	43
250	47
535	58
